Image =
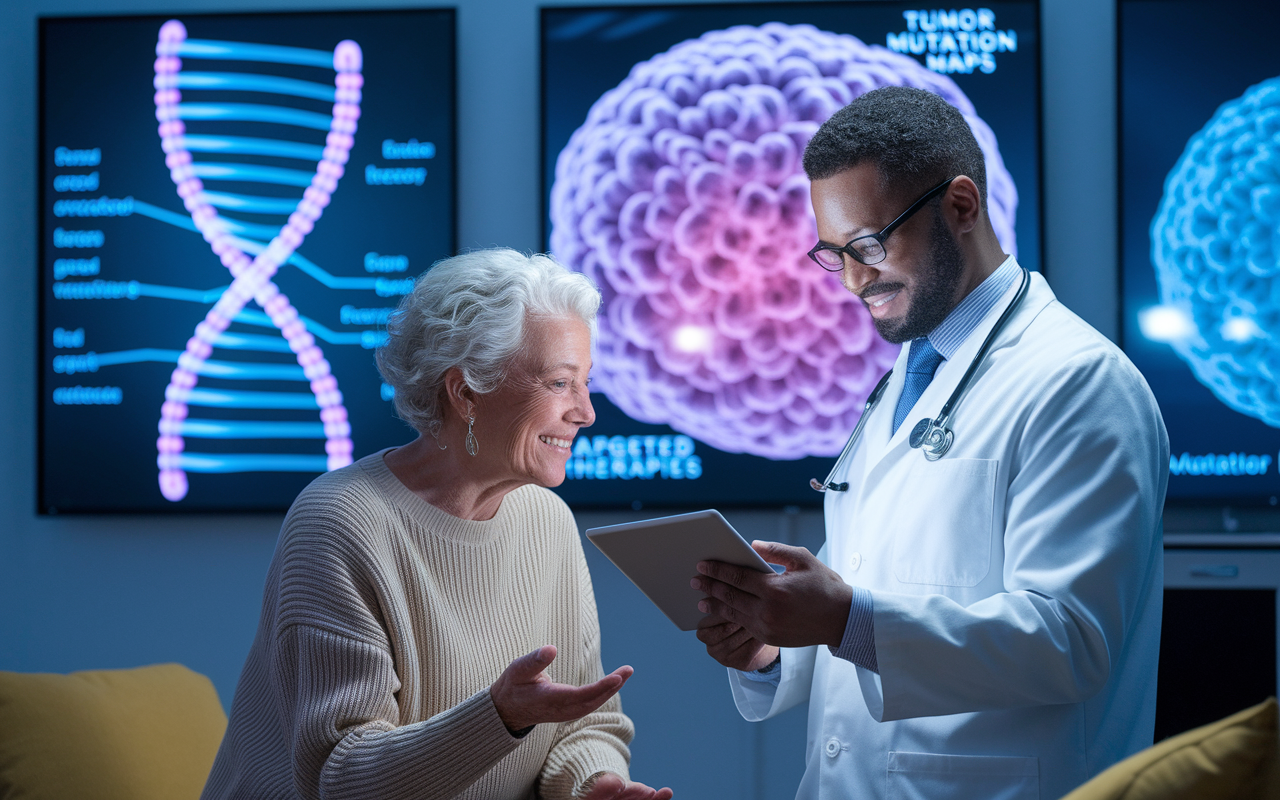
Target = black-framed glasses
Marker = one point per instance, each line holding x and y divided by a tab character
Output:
869	249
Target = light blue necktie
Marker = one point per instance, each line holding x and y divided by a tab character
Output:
922	362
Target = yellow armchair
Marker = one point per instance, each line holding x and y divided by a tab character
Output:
1231	759
149	733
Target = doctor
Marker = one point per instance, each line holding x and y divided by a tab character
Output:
985	625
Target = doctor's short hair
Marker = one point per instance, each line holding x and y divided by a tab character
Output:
914	137
470	312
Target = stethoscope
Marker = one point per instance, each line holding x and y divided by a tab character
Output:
932	436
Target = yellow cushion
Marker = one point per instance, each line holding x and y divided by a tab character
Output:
132	734
1232	758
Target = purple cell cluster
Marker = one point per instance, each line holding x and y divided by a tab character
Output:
683	197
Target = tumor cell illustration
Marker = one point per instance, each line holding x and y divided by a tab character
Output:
683	198
1215	246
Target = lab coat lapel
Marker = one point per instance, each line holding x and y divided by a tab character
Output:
876	434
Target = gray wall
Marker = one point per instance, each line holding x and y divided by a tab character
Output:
86	592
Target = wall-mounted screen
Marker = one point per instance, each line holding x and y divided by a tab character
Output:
230	207
1200	252
729	368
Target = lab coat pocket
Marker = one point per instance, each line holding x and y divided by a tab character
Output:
942	530
929	776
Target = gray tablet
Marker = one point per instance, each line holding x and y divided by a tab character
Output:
660	556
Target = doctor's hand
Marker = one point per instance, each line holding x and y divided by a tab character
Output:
523	695
608	786
807	604
733	645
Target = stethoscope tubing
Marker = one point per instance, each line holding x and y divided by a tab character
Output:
872	400
944	416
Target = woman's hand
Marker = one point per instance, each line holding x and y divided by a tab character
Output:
524	696
609	786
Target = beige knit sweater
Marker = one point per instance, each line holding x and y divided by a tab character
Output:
384	622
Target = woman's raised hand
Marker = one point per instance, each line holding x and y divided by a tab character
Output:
524	695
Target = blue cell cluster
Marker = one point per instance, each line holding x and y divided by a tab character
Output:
1215	245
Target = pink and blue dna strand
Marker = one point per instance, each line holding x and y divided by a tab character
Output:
252	276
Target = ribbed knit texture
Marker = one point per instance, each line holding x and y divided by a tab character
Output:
384	622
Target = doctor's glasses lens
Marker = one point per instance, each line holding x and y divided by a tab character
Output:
828	259
865	249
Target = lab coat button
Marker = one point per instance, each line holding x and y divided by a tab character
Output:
855	561
833	748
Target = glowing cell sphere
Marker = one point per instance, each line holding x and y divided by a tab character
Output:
1215	245
682	196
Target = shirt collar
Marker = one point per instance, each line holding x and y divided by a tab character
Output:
965	317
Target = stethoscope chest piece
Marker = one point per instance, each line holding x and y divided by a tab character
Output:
933	439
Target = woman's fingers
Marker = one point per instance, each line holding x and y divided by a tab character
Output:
524	696
572	702
638	791
606	787
510	690
625	671
613	787
528	667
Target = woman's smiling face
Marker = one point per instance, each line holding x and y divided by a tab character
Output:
525	429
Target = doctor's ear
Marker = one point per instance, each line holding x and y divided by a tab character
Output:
962	204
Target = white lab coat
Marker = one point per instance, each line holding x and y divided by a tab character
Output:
1017	582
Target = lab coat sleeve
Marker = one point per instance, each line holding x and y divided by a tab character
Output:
1086	486
760	700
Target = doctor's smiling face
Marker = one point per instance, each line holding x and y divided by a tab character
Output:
925	273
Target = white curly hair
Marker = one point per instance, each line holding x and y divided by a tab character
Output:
469	312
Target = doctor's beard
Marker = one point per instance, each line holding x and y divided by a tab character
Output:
934	294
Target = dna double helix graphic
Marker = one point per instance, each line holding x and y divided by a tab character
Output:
273	162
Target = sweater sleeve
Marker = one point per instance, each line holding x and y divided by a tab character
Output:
336	681
337	695
597	742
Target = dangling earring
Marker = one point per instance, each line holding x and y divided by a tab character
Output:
472	446
436	436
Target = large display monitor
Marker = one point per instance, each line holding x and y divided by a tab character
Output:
1200	248
730	369
229	208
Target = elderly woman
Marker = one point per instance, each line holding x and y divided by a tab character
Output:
428	627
